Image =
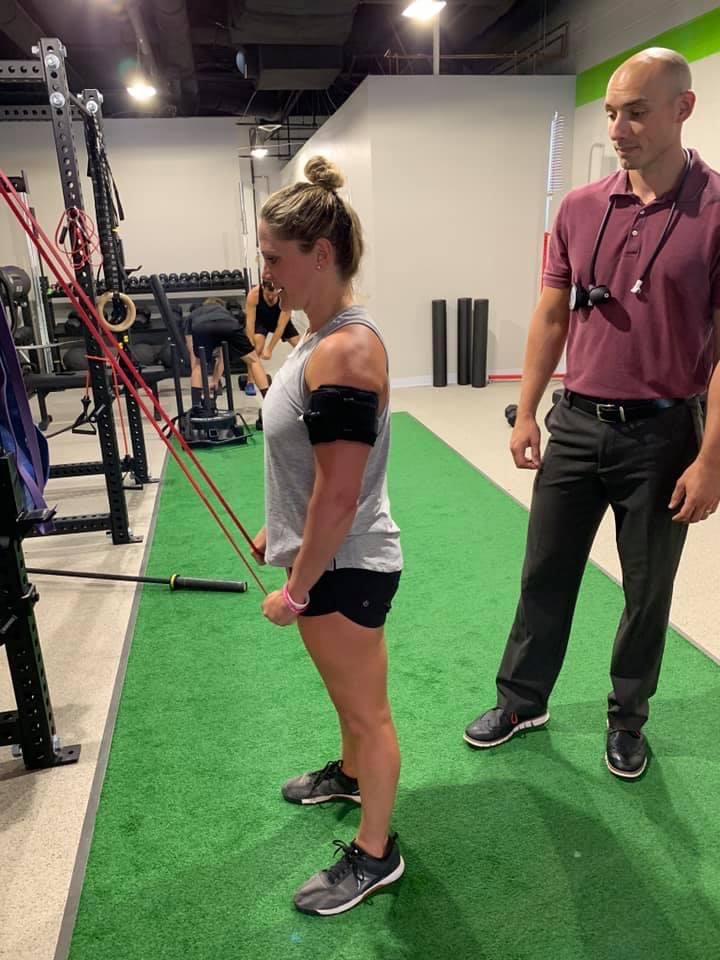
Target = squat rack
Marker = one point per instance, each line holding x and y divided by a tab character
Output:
49	70
32	726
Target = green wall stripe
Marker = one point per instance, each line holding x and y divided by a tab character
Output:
695	39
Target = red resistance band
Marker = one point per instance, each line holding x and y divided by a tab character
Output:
90	317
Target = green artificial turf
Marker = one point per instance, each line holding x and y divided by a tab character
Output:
529	852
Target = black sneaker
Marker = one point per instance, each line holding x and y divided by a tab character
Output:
259	423
354	878
626	753
496	726
330	783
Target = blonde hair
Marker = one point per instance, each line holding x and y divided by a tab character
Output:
309	211
213	301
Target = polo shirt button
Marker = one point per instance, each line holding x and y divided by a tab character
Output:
642	213
634	233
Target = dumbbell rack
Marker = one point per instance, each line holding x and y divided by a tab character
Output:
199	282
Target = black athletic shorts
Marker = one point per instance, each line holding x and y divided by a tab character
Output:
238	340
288	333
363	596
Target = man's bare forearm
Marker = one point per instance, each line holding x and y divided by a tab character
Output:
546	340
710	450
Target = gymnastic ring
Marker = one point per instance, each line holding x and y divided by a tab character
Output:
130	312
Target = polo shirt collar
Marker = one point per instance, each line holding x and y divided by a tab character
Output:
696	182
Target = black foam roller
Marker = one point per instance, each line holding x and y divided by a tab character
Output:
439	342
480	336
464	338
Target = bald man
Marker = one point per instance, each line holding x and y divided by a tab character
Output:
632	290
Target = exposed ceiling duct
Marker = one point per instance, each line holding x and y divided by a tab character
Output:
474	20
292	44
16	24
171	17
312	22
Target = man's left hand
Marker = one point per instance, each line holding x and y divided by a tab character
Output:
266	355
277	611
698	490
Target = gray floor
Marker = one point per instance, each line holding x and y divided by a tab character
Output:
46	817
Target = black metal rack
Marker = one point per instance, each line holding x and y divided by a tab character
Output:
30	727
49	70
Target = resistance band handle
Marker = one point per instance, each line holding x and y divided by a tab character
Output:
219	586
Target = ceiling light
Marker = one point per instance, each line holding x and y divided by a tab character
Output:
269	127
259	153
141	90
424	9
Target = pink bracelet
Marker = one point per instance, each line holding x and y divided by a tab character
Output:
293	604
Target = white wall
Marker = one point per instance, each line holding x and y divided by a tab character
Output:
449	177
346	140
179	182
460	174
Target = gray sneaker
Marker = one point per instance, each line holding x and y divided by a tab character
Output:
354	878
320	786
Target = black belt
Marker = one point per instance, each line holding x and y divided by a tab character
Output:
619	411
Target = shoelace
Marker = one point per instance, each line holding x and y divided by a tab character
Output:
351	861
329	771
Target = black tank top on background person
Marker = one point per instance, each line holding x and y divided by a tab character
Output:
266	317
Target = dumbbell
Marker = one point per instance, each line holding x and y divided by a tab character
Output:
163	278
173	280
194	279
132	283
184	279
216	277
236	276
511	413
204	278
143	281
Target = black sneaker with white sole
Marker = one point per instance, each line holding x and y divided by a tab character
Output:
626	753
320	786
354	878
496	726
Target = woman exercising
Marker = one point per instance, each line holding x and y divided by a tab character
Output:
327	519
266	318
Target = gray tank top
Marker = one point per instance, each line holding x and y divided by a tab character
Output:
373	542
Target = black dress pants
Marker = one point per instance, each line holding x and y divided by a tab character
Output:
588	465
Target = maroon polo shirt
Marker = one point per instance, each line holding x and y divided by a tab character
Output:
658	343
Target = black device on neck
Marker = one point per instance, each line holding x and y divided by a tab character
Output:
580	296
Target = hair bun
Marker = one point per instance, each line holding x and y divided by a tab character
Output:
322	173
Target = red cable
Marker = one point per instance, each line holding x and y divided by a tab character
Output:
87	310
98	329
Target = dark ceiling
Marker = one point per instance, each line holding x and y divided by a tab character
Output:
297	57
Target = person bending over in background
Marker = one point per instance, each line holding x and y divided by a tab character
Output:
638	253
327	436
266	318
208	326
